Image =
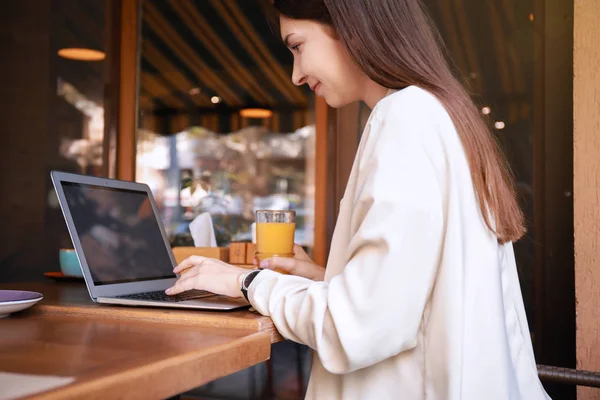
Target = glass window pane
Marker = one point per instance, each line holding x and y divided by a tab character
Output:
491	43
199	147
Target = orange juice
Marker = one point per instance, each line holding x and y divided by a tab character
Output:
274	239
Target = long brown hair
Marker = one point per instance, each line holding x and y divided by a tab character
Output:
396	45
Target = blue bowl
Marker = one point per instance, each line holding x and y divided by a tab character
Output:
69	264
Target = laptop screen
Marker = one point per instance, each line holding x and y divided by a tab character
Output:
119	234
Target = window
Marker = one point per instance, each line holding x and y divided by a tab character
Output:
222	129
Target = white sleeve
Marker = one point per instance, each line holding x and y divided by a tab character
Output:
373	310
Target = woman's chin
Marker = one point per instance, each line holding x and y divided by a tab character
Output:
336	101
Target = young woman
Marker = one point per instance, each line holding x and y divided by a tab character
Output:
420	298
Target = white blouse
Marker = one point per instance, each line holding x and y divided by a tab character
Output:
419	299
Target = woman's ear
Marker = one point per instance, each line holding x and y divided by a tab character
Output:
330	30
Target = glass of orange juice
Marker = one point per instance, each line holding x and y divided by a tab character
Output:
275	234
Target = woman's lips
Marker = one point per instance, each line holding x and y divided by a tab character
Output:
316	88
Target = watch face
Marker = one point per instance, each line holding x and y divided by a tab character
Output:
247	281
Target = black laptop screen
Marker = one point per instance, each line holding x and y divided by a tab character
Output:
119	234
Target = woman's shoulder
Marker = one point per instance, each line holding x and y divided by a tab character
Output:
411	114
410	103
413	122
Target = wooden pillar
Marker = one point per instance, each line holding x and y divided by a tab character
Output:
347	138
128	83
338	134
321	248
121	94
586	137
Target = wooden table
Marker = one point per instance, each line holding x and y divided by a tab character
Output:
127	352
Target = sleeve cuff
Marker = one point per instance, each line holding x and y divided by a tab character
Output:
263	276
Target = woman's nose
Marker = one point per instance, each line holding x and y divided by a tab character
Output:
298	76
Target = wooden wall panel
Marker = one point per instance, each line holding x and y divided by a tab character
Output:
586	137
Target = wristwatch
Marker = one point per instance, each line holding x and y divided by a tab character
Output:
247	280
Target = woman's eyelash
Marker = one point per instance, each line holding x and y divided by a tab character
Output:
295	47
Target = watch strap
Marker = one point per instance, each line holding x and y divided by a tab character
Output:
247	281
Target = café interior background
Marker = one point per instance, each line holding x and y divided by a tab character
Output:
202	65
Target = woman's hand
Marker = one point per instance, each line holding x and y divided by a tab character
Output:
208	274
300	265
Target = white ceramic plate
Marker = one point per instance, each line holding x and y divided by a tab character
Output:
12	301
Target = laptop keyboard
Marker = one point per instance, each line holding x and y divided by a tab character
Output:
162	296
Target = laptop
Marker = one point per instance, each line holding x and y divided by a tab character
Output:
122	246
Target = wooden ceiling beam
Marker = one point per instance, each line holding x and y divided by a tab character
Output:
145	103
203	32
469	47
516	66
157	88
451	35
180	48
499	46
171	74
254	45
